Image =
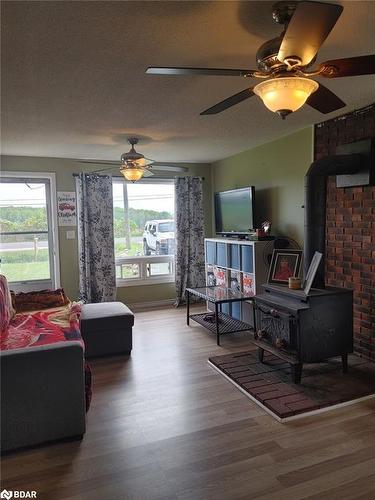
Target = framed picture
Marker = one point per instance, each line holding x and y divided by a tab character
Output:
284	264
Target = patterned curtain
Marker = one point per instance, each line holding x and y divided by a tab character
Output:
189	259
97	272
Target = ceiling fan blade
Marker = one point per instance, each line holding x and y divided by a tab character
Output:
351	66
153	70
147	173
101	162
309	26
168	168
324	100
230	101
117	164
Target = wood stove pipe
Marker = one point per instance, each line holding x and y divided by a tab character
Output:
315	205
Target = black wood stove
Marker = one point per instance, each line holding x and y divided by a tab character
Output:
302	328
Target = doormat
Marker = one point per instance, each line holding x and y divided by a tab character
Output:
323	386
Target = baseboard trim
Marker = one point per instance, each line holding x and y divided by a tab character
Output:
153	304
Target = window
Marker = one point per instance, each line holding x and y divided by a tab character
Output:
28	246
144	231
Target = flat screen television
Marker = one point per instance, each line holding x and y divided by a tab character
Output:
234	211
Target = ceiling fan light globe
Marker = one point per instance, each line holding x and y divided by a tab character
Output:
133	173
281	95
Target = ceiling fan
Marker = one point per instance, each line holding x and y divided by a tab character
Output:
283	63
135	165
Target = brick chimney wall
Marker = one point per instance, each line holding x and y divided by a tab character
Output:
350	230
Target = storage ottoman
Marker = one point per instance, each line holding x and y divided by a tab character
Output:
106	328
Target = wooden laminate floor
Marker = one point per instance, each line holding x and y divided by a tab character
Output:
164	425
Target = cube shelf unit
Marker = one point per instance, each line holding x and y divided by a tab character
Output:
237	257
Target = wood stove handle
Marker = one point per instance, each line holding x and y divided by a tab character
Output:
260	334
280	343
275	313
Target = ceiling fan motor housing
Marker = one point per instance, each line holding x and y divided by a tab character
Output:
131	157
266	55
283	11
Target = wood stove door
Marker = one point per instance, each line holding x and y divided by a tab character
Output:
277	328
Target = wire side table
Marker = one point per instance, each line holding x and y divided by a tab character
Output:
217	295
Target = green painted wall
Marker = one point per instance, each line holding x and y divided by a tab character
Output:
64	168
277	171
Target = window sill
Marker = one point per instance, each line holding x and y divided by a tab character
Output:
142	282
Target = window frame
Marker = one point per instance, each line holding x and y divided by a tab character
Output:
49	179
144	260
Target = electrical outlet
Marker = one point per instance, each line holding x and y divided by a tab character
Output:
71	235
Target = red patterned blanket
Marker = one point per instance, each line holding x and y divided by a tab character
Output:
47	326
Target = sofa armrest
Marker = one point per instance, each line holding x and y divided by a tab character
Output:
42	394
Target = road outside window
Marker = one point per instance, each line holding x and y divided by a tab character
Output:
144	232
26	244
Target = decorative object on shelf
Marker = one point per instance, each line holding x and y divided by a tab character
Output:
294	283
278	243
310	275
284	264
264	230
211	318
266	226
284	63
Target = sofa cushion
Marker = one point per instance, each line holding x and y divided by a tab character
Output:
41	299
104	316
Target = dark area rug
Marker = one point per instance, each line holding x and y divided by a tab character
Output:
323	385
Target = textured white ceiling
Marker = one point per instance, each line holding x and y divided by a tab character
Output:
73	81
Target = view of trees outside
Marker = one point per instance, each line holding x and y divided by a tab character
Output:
23	210
139	211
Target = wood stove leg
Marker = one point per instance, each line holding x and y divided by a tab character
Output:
260	354
344	358
297	373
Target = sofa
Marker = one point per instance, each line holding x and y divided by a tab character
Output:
45	382
42	394
45	385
